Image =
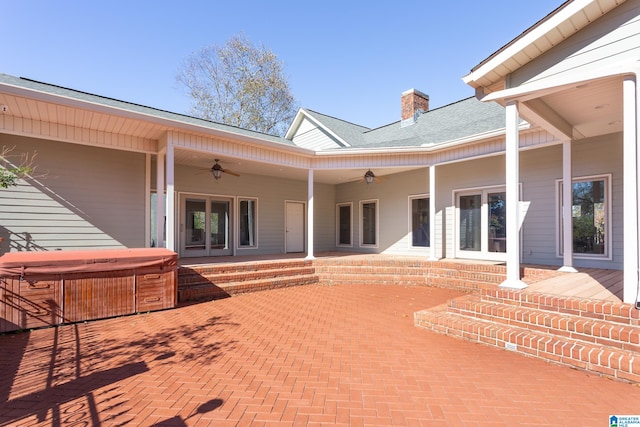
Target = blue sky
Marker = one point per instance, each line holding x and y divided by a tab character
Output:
350	60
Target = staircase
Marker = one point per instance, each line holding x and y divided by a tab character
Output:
215	281
596	336
408	271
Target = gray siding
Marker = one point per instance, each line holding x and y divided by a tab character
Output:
82	198
272	193
485	172
612	38
539	171
392	194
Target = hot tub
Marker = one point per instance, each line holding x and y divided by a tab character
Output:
49	288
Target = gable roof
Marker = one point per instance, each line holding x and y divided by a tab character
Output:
462	119
347	131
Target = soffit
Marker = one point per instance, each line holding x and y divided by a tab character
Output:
552	30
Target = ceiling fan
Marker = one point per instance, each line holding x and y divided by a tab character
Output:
370	177
217	170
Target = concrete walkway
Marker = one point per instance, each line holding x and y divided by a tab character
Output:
309	355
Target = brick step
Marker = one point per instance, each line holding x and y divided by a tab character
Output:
617	312
208	291
464	285
597	336
574	327
340	278
254	266
196	276
464	281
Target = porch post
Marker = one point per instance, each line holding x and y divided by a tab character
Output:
171	203
631	261
310	216
160	203
432	213
512	155
567	215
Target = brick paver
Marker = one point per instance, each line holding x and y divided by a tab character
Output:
308	355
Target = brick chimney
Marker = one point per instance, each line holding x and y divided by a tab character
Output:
413	103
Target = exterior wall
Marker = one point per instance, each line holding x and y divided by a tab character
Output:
539	171
612	38
324	232
479	173
272	193
392	194
82	198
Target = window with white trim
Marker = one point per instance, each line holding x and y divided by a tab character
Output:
369	223
248	222
419	221
344	232
590	212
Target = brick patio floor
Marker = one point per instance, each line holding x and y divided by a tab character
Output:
309	355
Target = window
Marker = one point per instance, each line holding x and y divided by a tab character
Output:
419	224
153	227
248	213
369	224
590	215
345	218
481	223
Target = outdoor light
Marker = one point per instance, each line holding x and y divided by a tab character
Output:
368	176
216	170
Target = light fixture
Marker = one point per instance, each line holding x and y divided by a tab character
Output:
369	176
216	170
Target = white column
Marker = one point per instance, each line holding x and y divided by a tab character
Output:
630	184
310	216
567	215
171	202
432	214
160	202
512	175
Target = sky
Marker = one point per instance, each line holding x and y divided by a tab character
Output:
347	59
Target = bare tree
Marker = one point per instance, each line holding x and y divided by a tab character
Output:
15	166
240	85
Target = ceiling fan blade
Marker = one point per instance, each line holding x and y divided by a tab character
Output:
230	172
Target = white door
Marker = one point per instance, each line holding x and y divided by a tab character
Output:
294	227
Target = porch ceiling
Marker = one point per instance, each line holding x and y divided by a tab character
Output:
201	162
581	111
38	110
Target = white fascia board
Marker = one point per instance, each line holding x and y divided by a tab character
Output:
544	87
147	117
302	112
475	138
424	148
524	41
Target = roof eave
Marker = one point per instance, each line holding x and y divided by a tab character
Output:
138	115
497	66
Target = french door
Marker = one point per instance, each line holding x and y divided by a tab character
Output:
481	224
205	226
